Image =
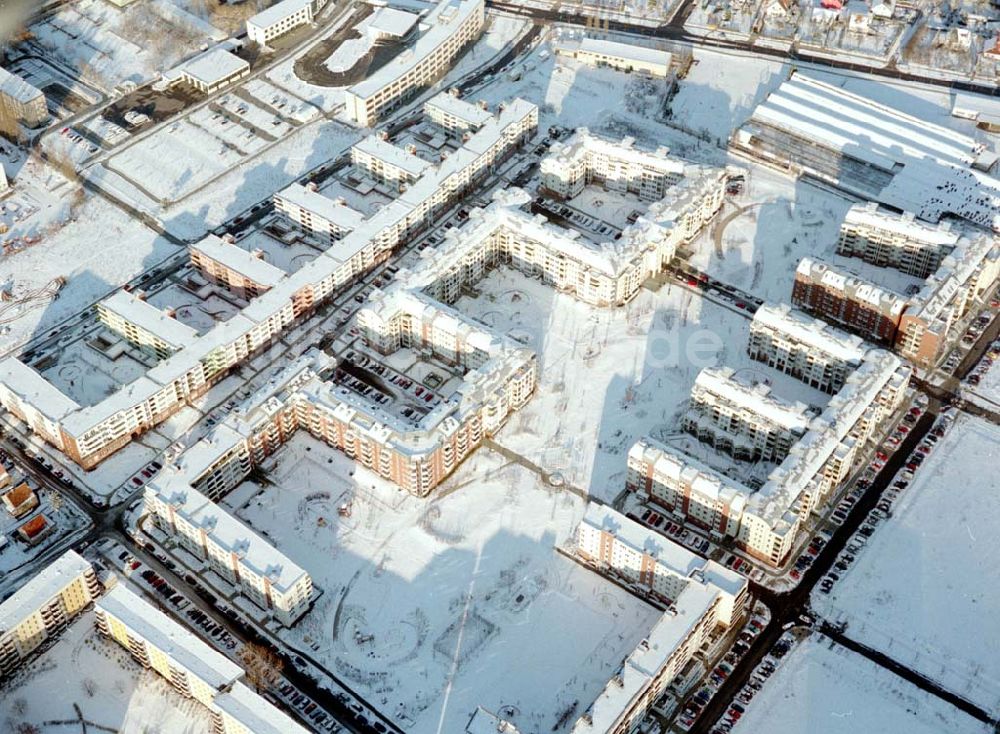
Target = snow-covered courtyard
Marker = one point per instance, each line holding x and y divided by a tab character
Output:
922	590
85	682
429	605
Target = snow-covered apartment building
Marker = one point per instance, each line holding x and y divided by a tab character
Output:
148	327
443	33
90	434
870	385
873	151
702	597
305	207
847	300
743	418
455	114
194	669
43	607
20	101
281	18
231	549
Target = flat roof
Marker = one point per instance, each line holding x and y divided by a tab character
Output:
215	65
442	26
625	51
15	87
332	210
236	258
43	586
392	21
278	12
35	390
148	317
465	111
177	642
255	712
385	151
812	333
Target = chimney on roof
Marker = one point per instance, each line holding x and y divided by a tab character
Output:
383	134
411	149
229	237
312	186
258	253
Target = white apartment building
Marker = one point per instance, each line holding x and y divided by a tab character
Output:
764	522
320	215
703	598
900	241
261	573
743	418
281	18
144	325
816	353
191	666
626	57
43	607
89	435
386	162
585	159
444	32
21	101
454	114
209	71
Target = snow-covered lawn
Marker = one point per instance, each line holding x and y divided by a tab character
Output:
433	607
923	590
83	669
821	688
95	248
757	240
610	376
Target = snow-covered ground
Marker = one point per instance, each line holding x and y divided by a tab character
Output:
821	688
429	606
611	376
96	247
85	671
757	240
923	590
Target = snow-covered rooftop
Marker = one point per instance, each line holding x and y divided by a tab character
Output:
813	333
215	65
15	87
441	23
172	488
149	318
382	150
278	12
335	211
753	396
44	585
854	287
470	113
392	22
626	51
33	389
871	215
239	260
256	713
177	642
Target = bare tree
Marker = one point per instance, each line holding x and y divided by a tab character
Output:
263	665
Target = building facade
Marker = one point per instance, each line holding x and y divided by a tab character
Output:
450	26
791	342
281	18
703	599
21	101
43	607
848	301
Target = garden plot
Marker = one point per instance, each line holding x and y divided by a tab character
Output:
429	605
758	238
234	136
610	376
922	590
172	162
822	688
86	682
